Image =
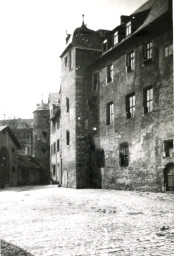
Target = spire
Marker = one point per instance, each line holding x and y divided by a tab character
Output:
83	23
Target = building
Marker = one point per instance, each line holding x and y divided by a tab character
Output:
55	157
116	103
9	146
41	139
23	130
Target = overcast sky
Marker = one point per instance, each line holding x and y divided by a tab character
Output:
32	38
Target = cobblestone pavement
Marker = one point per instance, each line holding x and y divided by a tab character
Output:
50	221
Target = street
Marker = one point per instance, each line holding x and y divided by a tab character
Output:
50	221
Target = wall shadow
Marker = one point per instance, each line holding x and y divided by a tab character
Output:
8	249
26	188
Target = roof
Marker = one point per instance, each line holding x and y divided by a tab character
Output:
28	162
13	137
157	8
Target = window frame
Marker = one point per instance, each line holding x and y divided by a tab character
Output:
148	99
167	47
58	145
116	37
130	105
66	61
167	147
130	61
95	81
110	113
67	105
148	51
128	28
67	137
105	45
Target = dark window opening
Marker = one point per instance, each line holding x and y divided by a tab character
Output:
148	100
130	105
124	154
66	61
44	134
13	169
70	59
54	148
13	150
58	146
168	148
43	150
109	113
67	105
67	137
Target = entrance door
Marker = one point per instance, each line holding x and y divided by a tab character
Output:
170	178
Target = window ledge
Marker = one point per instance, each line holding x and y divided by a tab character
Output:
147	61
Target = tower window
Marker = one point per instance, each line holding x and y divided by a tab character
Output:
67	105
58	146
67	137
105	45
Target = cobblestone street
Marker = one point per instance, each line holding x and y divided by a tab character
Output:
47	220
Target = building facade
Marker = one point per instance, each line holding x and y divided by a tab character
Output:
9	146
116	103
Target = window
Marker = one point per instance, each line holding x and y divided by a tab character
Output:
130	61
109	113
148	48
130	105
13	169
54	170
148	100
13	150
67	105
44	134
110	73
58	146
54	148
168	50
116	37
168	148
100	157
124	154
95	81
105	45
67	137
128	28
66	61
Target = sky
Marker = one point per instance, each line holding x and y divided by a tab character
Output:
32	39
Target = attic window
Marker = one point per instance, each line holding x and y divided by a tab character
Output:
116	37
128	28
105	45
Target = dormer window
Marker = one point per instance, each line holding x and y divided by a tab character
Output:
128	28
116	37
105	45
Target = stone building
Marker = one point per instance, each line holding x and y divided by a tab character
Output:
41	140
55	157
116	102
23	130
9	146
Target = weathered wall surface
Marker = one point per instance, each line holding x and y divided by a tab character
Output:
144	133
11	159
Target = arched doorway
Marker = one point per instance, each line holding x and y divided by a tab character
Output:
4	167
169	177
